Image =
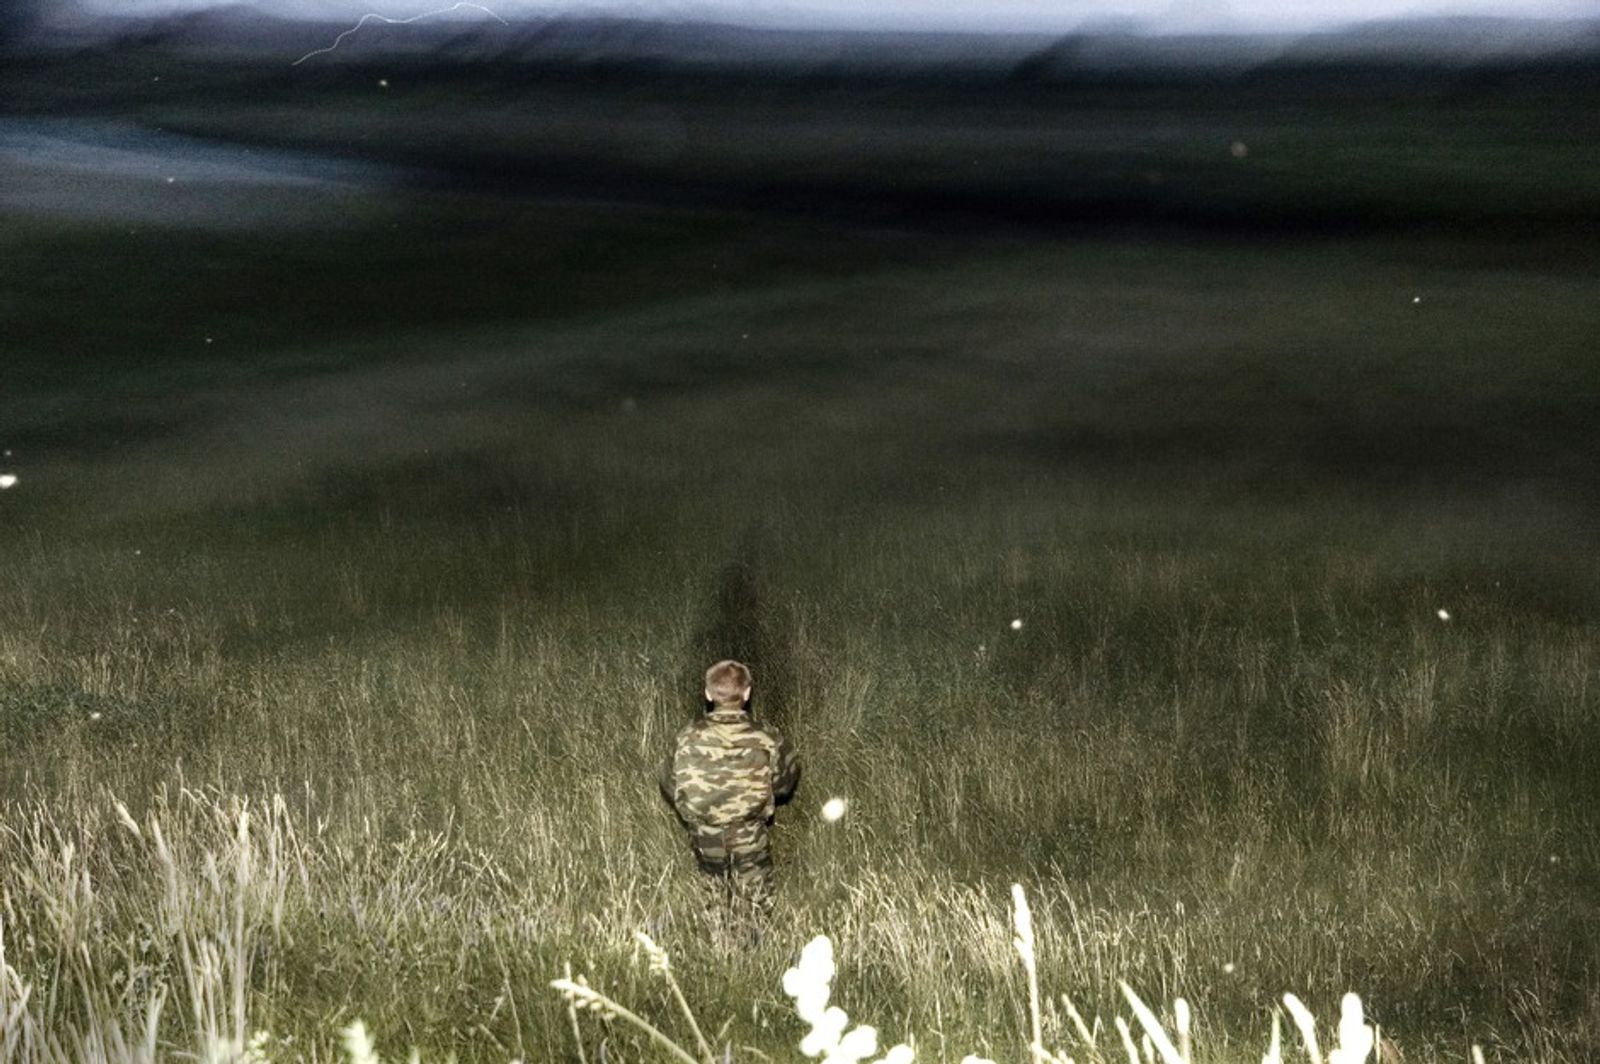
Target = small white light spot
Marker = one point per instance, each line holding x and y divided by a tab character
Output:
171	180
7	480
383	83
833	809
1416	299
1238	149
209	340
1228	968
1554	859
1016	625
1444	615
137	553
95	715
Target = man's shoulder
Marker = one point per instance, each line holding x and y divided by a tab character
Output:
769	732
737	731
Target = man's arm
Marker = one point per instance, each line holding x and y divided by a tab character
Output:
787	775
668	785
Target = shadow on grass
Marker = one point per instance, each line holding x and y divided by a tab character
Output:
740	622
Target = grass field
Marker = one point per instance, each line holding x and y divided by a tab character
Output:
406	516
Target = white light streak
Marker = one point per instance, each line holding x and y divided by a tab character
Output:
1444	615
373	16
7	480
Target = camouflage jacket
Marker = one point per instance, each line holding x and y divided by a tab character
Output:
725	768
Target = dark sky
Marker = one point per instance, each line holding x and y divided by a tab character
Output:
1152	15
16	14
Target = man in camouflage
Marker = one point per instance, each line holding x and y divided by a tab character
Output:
724	778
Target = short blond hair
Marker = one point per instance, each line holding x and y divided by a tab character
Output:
727	681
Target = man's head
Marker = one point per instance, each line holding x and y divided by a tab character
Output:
728	684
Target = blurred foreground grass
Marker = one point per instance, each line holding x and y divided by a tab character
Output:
422	555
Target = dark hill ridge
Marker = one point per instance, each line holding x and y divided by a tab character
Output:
244	30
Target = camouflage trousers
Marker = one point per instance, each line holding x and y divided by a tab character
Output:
736	873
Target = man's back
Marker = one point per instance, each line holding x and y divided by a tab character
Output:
726	769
